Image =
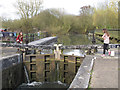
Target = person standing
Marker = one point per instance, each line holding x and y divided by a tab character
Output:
106	41
19	38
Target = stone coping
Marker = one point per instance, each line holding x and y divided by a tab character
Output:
82	77
5	57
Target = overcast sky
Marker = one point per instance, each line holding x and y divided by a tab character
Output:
70	6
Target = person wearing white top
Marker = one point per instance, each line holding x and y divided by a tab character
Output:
106	41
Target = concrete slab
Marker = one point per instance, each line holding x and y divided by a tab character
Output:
105	73
82	77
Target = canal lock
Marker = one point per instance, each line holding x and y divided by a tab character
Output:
41	68
45	68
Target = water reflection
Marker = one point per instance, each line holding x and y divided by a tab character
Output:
47	51
76	52
75	40
80	39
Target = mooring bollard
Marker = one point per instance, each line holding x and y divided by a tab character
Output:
57	51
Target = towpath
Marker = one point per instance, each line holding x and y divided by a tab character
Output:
7	51
105	71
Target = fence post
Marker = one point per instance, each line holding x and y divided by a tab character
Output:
93	40
26	40
32	37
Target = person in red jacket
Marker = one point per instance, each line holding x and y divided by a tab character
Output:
20	38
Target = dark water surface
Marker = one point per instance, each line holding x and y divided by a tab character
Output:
79	39
43	85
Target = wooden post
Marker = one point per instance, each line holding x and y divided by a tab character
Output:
93	40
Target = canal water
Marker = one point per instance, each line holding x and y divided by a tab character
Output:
65	40
38	85
79	39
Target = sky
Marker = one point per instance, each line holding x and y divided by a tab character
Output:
7	9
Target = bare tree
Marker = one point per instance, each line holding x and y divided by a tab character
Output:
28	9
